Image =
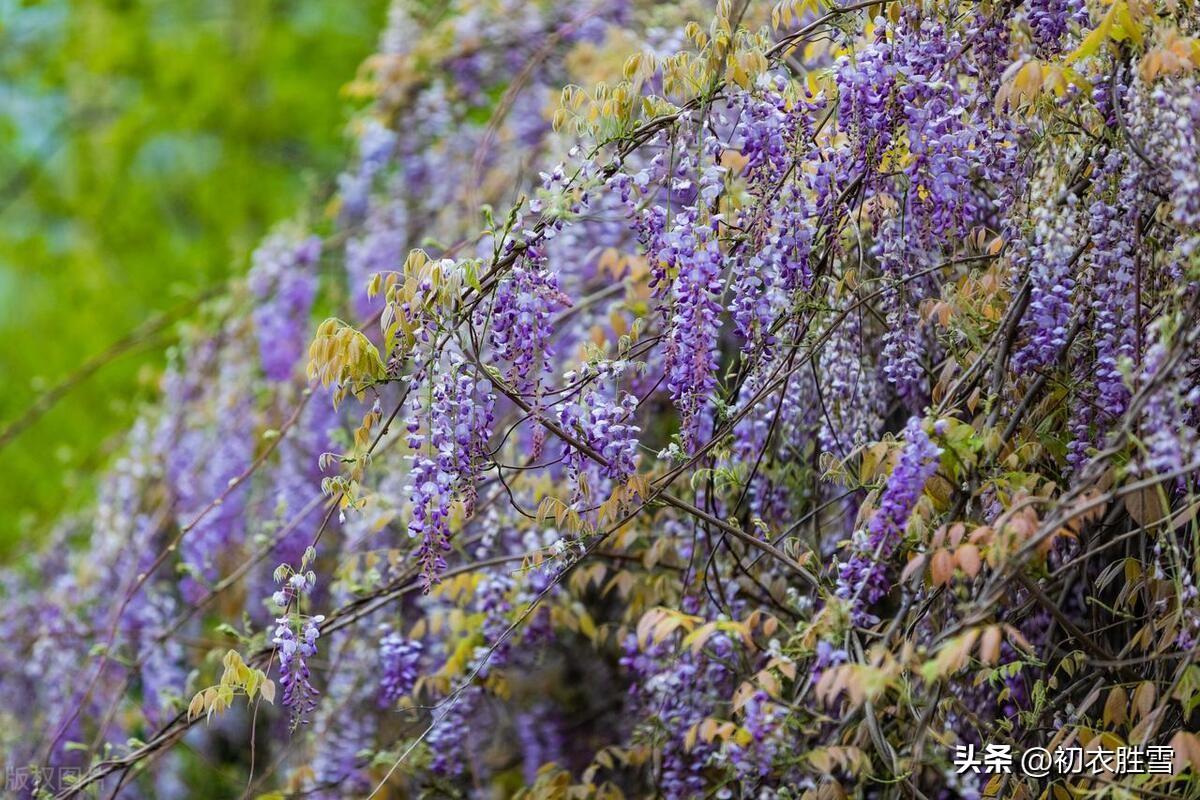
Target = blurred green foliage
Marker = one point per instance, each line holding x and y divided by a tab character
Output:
145	147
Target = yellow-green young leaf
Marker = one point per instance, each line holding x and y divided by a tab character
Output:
696	640
196	707
251	681
665	628
1115	706
951	657
340	354
646	625
1123	25
821	759
1187	692
586	626
267	687
1091	43
742	736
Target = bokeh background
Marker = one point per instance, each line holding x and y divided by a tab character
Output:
145	148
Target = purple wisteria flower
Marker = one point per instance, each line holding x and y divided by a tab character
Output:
1051	20
297	694
762	720
1167	428
284	283
214	448
1112	232
678	690
399	667
540	734
690	353
1050	263
606	426
521	329
862	579
449	445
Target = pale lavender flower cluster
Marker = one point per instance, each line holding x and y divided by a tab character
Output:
753	429
852	404
521	323
953	141
865	107
380	247
430	491
685	271
1178	109
1111	227
904	84
492	601
446	456
679	691
690	352
162	672
376	146
474	414
607	426
449	739
1050	263
343	730
296	480
540	733
1051	20
902	351
1167	431
948	145
212	451
283	280
776	264
297	694
339	768
399	667
863	579
762	719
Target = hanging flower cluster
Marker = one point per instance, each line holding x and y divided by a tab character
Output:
863	578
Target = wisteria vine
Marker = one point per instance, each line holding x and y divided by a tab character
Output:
759	399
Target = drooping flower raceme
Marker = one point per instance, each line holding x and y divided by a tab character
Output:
214	449
295	648
521	326
1167	430
449	425
607	426
399	659
1051	259
283	280
691	361
862	579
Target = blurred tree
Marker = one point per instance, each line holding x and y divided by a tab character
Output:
145	147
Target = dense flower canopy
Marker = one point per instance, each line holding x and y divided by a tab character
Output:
750	401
